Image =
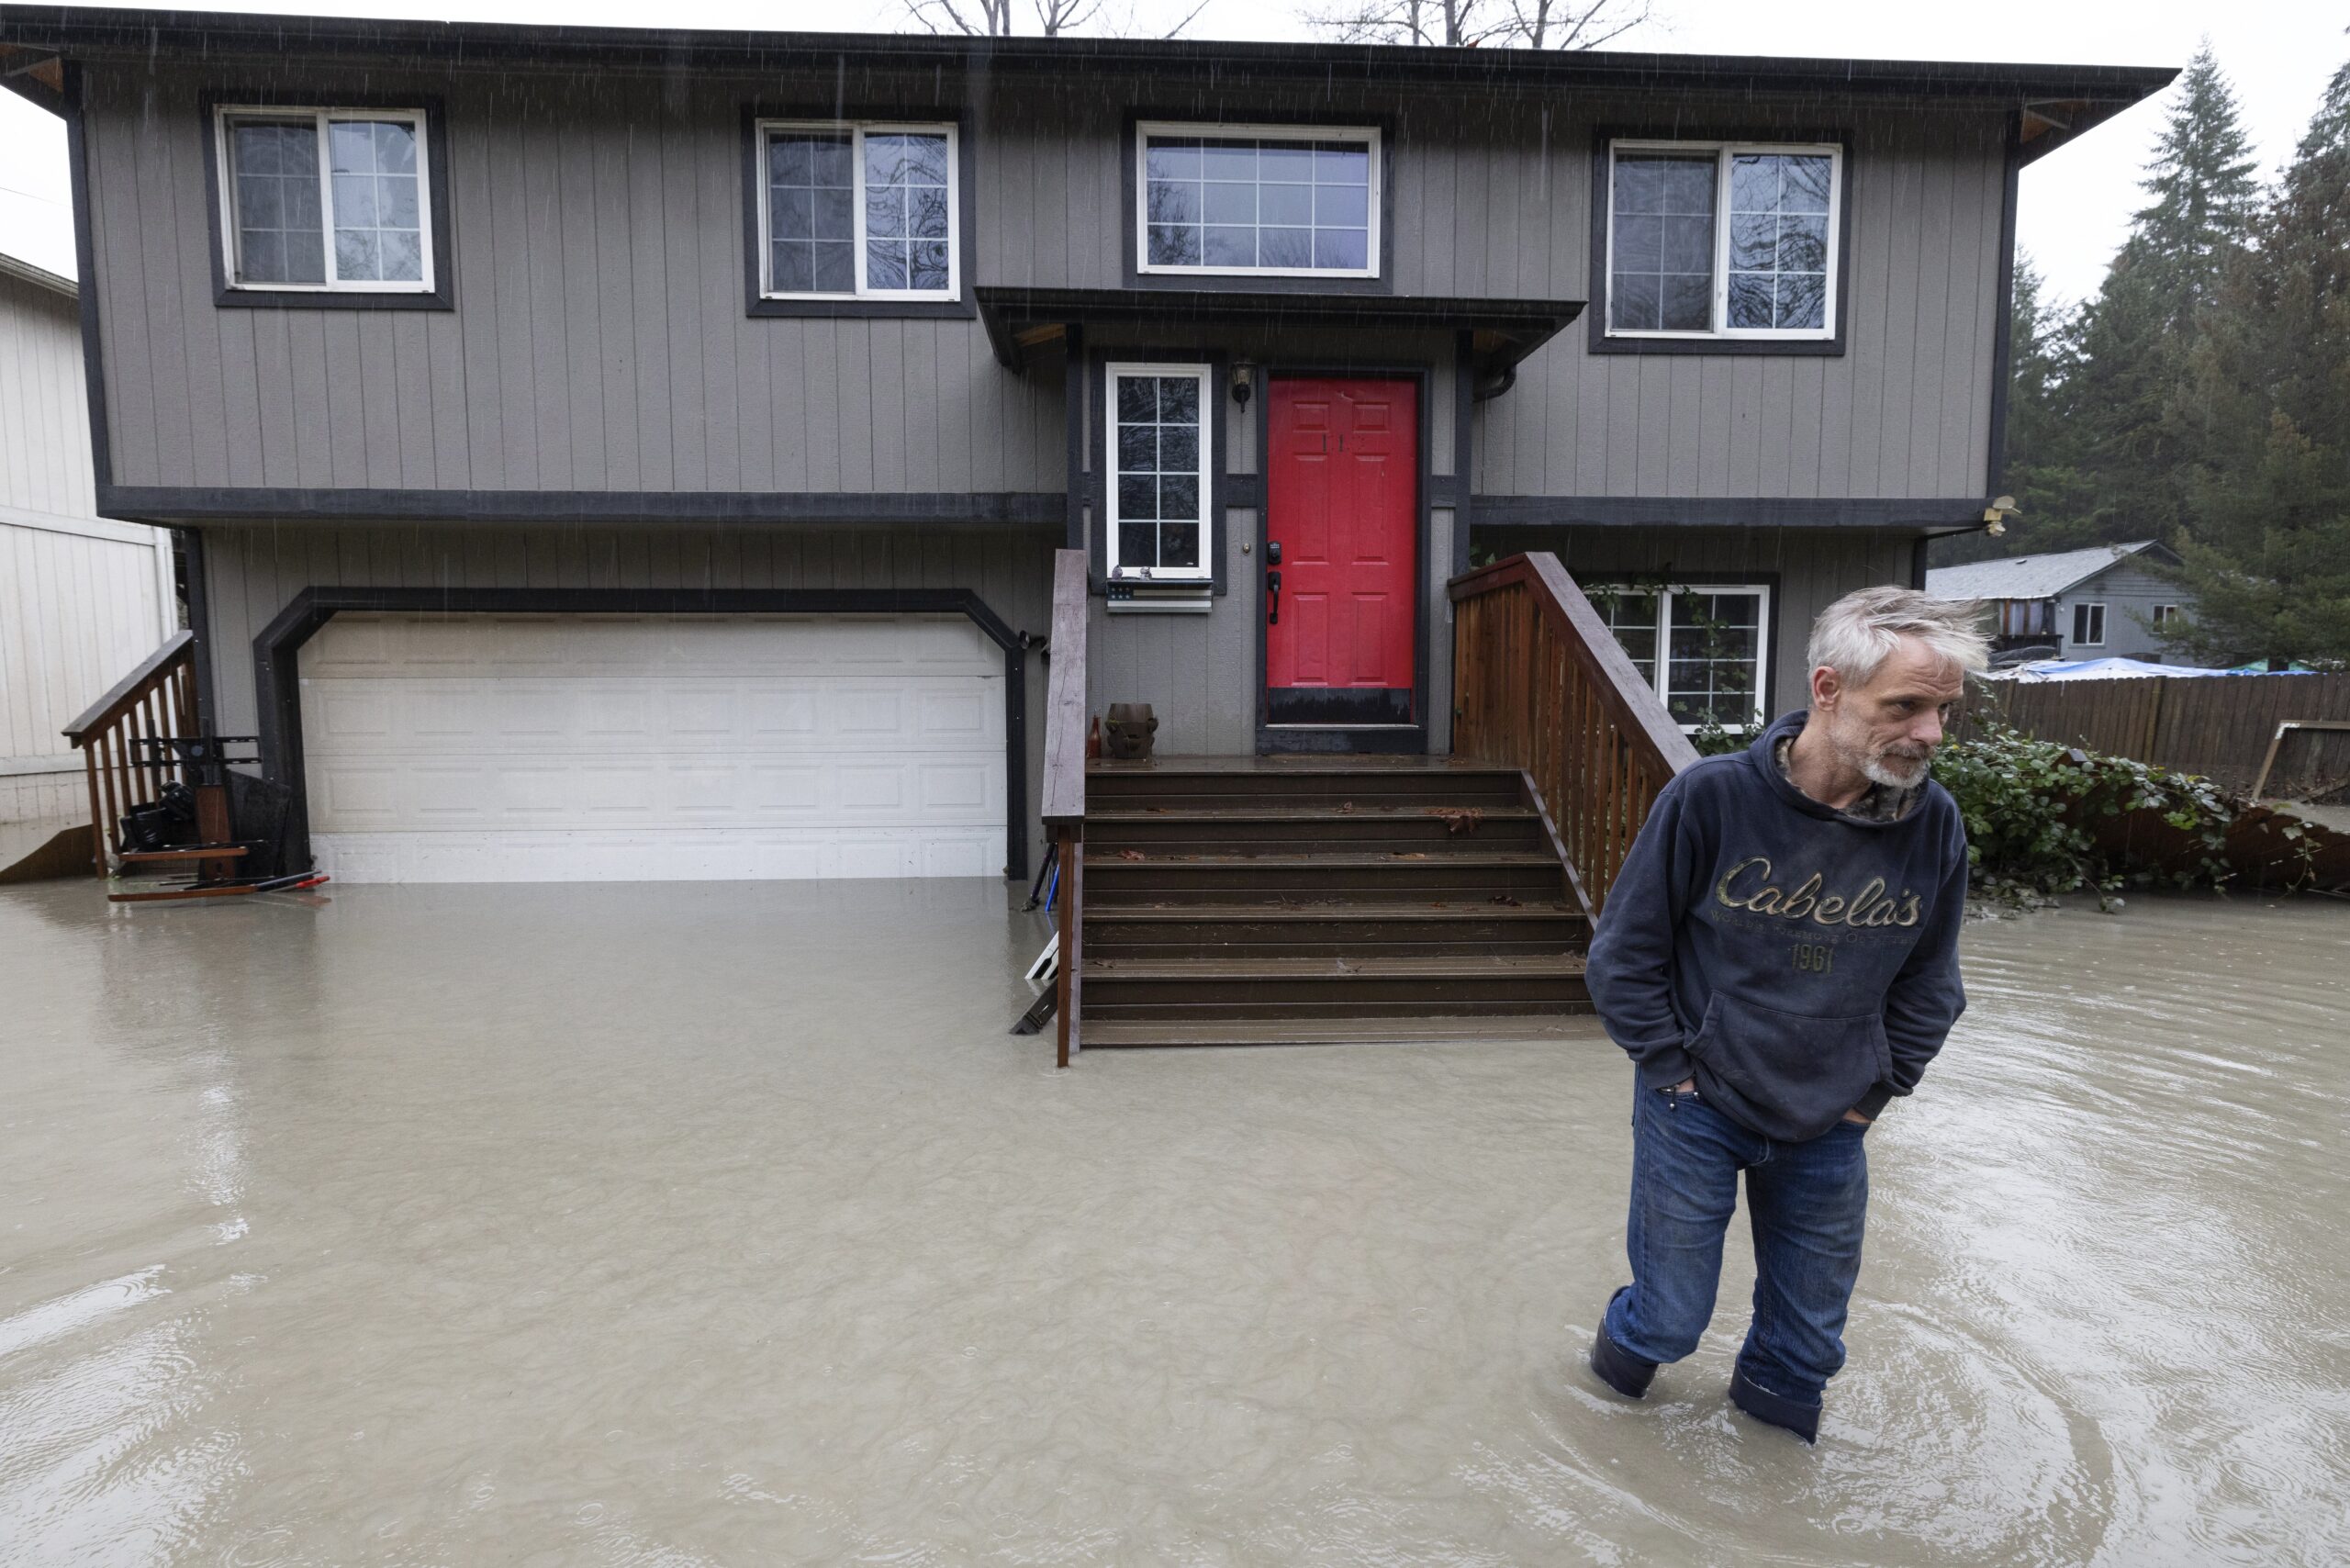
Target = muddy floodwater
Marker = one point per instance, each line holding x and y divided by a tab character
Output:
702	1225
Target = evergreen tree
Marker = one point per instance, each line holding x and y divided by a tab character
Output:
2136	337
2267	403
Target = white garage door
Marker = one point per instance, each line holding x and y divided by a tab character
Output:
532	748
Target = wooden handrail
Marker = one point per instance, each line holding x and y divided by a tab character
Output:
1539	684
179	648
1064	783
157	698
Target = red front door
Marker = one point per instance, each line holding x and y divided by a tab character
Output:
1342	506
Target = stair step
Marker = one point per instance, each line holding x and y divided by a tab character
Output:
1501	1028
1241	970
1258	810
1344	861
1435	908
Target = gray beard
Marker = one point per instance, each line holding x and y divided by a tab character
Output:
1884	770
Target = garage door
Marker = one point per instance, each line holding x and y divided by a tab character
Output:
470	748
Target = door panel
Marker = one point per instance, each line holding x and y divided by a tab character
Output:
1343	504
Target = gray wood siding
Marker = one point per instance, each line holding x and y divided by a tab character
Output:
1905	411
253	572
599	339
2129	592
1813	568
44	409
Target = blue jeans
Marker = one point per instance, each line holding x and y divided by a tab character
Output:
1806	1202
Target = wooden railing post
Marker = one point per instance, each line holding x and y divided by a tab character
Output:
1541	685
1065	785
151	702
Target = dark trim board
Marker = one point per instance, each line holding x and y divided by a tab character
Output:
966	215
1948	515
86	265
1603	137
172	503
199	622
277	677
436	195
2003	324
147	34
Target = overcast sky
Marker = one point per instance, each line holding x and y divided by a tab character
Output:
2076	206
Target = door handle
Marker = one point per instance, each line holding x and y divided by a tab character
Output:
1273	583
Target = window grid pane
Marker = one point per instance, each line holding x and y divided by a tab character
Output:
274	168
1632	617
1235	202
905	212
1778	261
1159	472
1660	272
1714	657
378	226
812	212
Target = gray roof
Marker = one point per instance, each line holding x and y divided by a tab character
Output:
13	267
2029	576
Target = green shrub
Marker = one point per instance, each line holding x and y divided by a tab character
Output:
2028	805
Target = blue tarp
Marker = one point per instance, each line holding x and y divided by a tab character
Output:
2105	669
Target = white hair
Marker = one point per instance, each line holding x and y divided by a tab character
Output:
1857	634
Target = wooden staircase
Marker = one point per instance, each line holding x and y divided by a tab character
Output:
1245	900
1305	900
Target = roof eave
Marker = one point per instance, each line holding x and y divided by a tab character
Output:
83	30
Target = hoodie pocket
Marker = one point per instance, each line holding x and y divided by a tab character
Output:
1788	1075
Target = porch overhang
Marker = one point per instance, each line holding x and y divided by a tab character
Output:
1501	332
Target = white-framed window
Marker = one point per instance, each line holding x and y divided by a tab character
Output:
1722	240
1157	431
1257	200
325	200
2089	625
1702	645
2165	613
858	211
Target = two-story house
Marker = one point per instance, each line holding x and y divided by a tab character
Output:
632	454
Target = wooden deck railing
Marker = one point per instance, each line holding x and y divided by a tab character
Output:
157	698
1065	781
1539	684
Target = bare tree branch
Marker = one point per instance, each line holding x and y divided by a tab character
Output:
1471	24
993	17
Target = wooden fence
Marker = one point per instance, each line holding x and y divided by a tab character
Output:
2219	726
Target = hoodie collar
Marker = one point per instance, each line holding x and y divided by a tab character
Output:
1764	756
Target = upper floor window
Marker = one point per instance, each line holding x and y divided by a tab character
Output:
1722	240
865	211
1158	432
1273	201
326	200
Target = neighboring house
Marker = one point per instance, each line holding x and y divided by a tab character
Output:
2102	602
633	453
83	599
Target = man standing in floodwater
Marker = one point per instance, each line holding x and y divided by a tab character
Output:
1780	957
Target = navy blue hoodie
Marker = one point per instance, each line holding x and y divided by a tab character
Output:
1796	962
